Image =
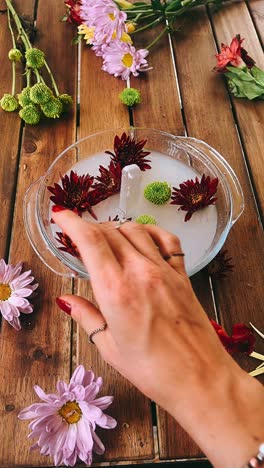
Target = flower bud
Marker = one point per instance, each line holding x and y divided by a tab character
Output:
130	96
9	103
145	219
124	4
40	93
157	192
30	114
24	97
131	27
52	109
66	101
15	55
34	58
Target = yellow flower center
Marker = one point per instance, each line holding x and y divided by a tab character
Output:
111	16
127	60
5	292
71	412
196	198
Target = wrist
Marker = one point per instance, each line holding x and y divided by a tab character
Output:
225	417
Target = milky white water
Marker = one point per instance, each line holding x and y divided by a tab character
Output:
196	235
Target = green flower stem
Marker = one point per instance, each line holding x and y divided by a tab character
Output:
157	38
39	80
52	79
28	75
11	30
149	25
13	78
20	28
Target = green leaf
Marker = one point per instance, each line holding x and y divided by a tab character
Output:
258	74
245	89
77	39
243	73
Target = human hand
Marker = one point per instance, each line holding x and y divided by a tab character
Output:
158	335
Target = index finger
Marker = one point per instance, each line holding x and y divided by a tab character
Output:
95	251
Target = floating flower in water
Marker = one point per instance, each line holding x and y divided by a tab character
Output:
242	339
75	193
145	219
128	151
122	59
73	12
105	17
157	192
64	423
194	195
15	288
67	244
233	55
109	181
221	265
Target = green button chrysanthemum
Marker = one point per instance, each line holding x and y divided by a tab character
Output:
9	103
24	97
130	97
157	192
52	109
145	219
30	114
40	93
15	55
35	58
66	101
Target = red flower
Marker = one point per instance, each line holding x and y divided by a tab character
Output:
75	193
109	181
242	339
68	245
127	151
221	265
73	12
194	195
233	55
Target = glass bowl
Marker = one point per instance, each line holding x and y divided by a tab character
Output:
175	159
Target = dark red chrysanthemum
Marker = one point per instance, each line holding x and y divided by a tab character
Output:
75	193
108	182
221	265
128	151
194	195
242	339
67	245
73	11
233	55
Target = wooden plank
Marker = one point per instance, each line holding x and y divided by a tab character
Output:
40	353
160	106
206	102
256	8
132	439
228	22
161	109
10	126
247	303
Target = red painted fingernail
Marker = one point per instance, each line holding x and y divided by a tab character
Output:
63	305
57	208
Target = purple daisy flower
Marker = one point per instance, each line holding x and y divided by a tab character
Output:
121	59
106	17
65	422
15	287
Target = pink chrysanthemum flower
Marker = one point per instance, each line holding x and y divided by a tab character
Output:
121	59
105	16
15	287
65	422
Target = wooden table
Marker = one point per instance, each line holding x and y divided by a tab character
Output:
196	103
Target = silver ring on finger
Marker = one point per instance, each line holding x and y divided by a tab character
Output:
95	331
